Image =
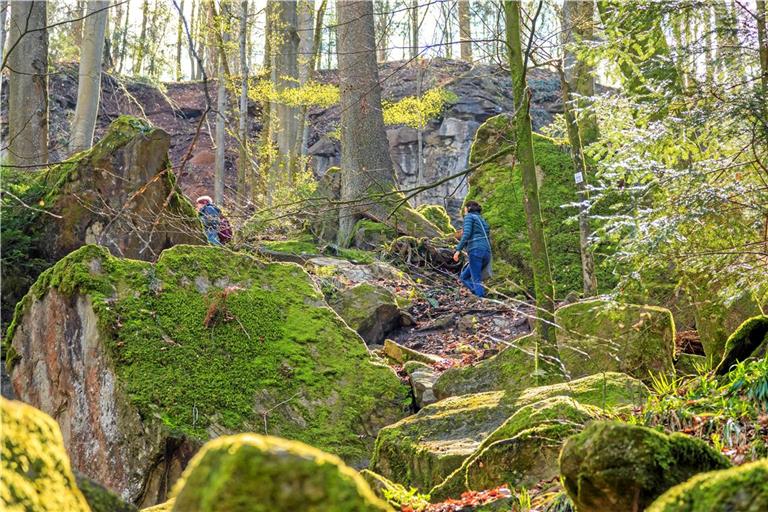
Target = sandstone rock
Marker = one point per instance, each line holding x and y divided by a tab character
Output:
513	370
615	466
253	473
121	194
101	499
353	273
371	235
403	354
743	489
750	340
423	449
383	488
142	363
422	381
689	364
437	215
369	309
36	474
599	335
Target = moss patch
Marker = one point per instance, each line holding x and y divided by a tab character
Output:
207	338
437	215
101	499
497	186
749	340
35	467
744	488
252	473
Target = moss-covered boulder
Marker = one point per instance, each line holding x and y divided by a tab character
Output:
437	215
600	335
423	449
608	391
749	340
690	364
369	309
121	193
101	499
143	362
614	466
514	369
371	235
253	473
742	489
497	186
36	475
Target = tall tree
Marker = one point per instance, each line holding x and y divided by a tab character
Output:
124	38
89	76
243	169
762	41
542	275
222	34
465	30
383	19
414	28
576	75
27	62
179	40
141	45
3	19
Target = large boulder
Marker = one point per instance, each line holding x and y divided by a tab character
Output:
121	194
600	335
101	499
497	186
614	466
749	340
742	489
36	475
437	215
369	309
253	473
423	449
525	448
142	362
514	369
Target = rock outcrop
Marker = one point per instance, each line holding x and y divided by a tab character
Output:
121	194
253	473
140	363
599	335
743	488
749	340
36	475
369	309
615	466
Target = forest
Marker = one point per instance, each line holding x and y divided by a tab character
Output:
387	255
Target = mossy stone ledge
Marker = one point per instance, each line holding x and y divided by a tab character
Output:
202	343
749	340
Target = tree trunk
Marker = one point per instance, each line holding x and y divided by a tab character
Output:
117	23
221	110
762	41
89	77
414	15
77	25
27	61
138	59
3	18
383	28
314	52
191	43
465	30
284	73
542	276
179	40
244	162
124	38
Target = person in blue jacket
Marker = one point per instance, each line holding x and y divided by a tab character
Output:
476	238
210	216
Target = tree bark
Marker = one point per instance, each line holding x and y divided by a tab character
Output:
179	40
542	275
244	162
414	16
191	44
89	77
383	28
138	59
221	111
465	30
27	61
124	38
762	41
3	18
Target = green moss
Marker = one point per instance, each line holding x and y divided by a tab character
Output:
208	337
101	499
749	340
252	473
743	488
34	464
497	186
601	335
292	247
608	391
614	466
437	215
369	234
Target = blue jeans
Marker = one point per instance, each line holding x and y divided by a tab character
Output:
212	233
472	273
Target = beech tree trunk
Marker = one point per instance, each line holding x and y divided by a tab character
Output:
243	169
124	38
383	20
762	41
465	31
27	61
89	77
141	46
179	40
414	14
3	18
542	275
221	109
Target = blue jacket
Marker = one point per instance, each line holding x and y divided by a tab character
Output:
476	235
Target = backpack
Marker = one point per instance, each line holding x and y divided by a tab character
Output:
225	230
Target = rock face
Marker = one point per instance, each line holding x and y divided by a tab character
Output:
749	340
615	466
100	499
744	488
368	309
121	194
35	468
253	473
599	335
141	363
513	370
